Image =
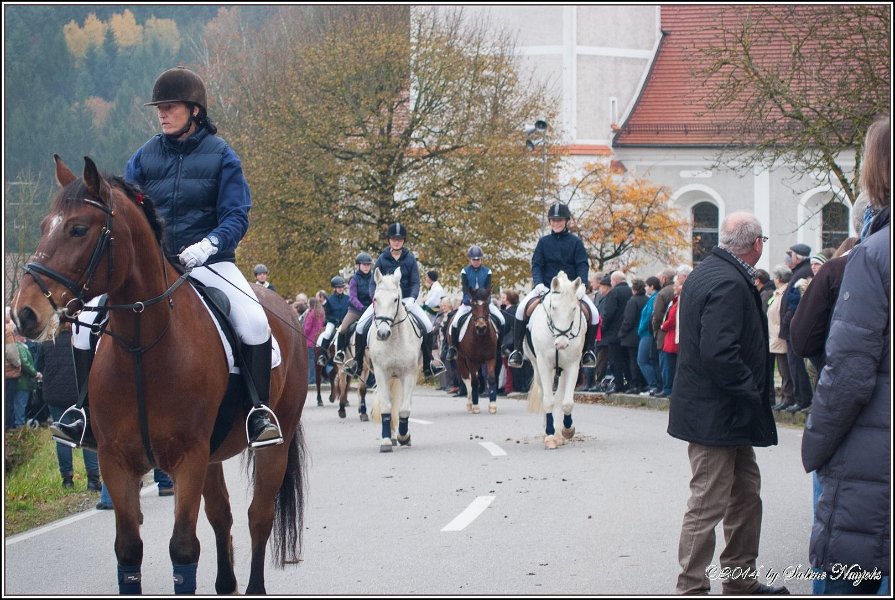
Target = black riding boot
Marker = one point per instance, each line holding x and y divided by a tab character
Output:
323	351
356	365
261	431
588	358
341	343
431	366
71	434
454	342
515	358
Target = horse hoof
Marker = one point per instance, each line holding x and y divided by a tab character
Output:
550	442
319	402
341	413
469	407
404	440
385	445
568	433
394	442
560	441
475	409
332	399
492	408
364	417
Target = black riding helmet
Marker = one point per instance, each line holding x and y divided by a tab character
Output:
396	230
363	259
559	211
475	252
337	281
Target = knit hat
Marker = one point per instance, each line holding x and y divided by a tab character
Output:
607	280
433	275
818	258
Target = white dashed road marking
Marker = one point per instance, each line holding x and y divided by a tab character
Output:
493	448
469	515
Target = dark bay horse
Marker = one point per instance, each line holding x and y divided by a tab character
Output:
159	378
478	347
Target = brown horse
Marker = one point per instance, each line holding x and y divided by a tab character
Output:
479	347
320	373
343	385
159	378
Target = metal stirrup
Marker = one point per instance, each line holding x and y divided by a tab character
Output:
83	414
270	442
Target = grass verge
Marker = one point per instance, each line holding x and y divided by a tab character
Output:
33	492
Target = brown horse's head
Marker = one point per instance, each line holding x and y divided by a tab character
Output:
481	313
85	249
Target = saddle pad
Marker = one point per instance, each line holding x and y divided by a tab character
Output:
464	325
275	358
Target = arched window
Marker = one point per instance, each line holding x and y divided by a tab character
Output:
705	229
834	218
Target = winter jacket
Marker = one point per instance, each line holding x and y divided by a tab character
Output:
198	188
776	344
410	272
27	381
792	296
557	252
660	307
646	315
669	326
336	308
811	321
60	388
612	311
628	332
847	439
313	325
359	291
721	394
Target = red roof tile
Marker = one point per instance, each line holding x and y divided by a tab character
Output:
671	109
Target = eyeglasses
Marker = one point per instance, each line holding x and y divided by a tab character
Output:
762	238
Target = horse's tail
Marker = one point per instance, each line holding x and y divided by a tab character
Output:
535	394
288	523
375	412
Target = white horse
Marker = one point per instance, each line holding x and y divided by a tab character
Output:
557	328
393	343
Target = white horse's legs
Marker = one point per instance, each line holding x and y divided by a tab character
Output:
568	402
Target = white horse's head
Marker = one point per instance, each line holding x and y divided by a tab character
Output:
563	306
386	302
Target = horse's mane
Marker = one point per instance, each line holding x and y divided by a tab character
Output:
481	294
76	191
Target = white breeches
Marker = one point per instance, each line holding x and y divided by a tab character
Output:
246	313
594	314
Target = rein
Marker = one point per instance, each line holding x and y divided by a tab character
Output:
392	321
557	332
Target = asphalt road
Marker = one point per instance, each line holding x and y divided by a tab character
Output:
475	506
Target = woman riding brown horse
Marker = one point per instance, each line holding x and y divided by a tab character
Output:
476	348
160	377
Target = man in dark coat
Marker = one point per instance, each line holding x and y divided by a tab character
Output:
612	312
797	260
720	404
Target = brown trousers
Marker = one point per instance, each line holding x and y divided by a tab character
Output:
726	485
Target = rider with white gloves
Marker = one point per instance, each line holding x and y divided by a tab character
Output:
557	251
197	185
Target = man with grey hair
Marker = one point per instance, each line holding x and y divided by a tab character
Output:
720	405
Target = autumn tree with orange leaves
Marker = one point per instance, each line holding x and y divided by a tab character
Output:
625	220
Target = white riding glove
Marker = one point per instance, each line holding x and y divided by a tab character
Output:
541	289
197	254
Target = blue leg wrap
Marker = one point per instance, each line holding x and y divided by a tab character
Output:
386	426
567	421
129	580
185	579
402	425
550	429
